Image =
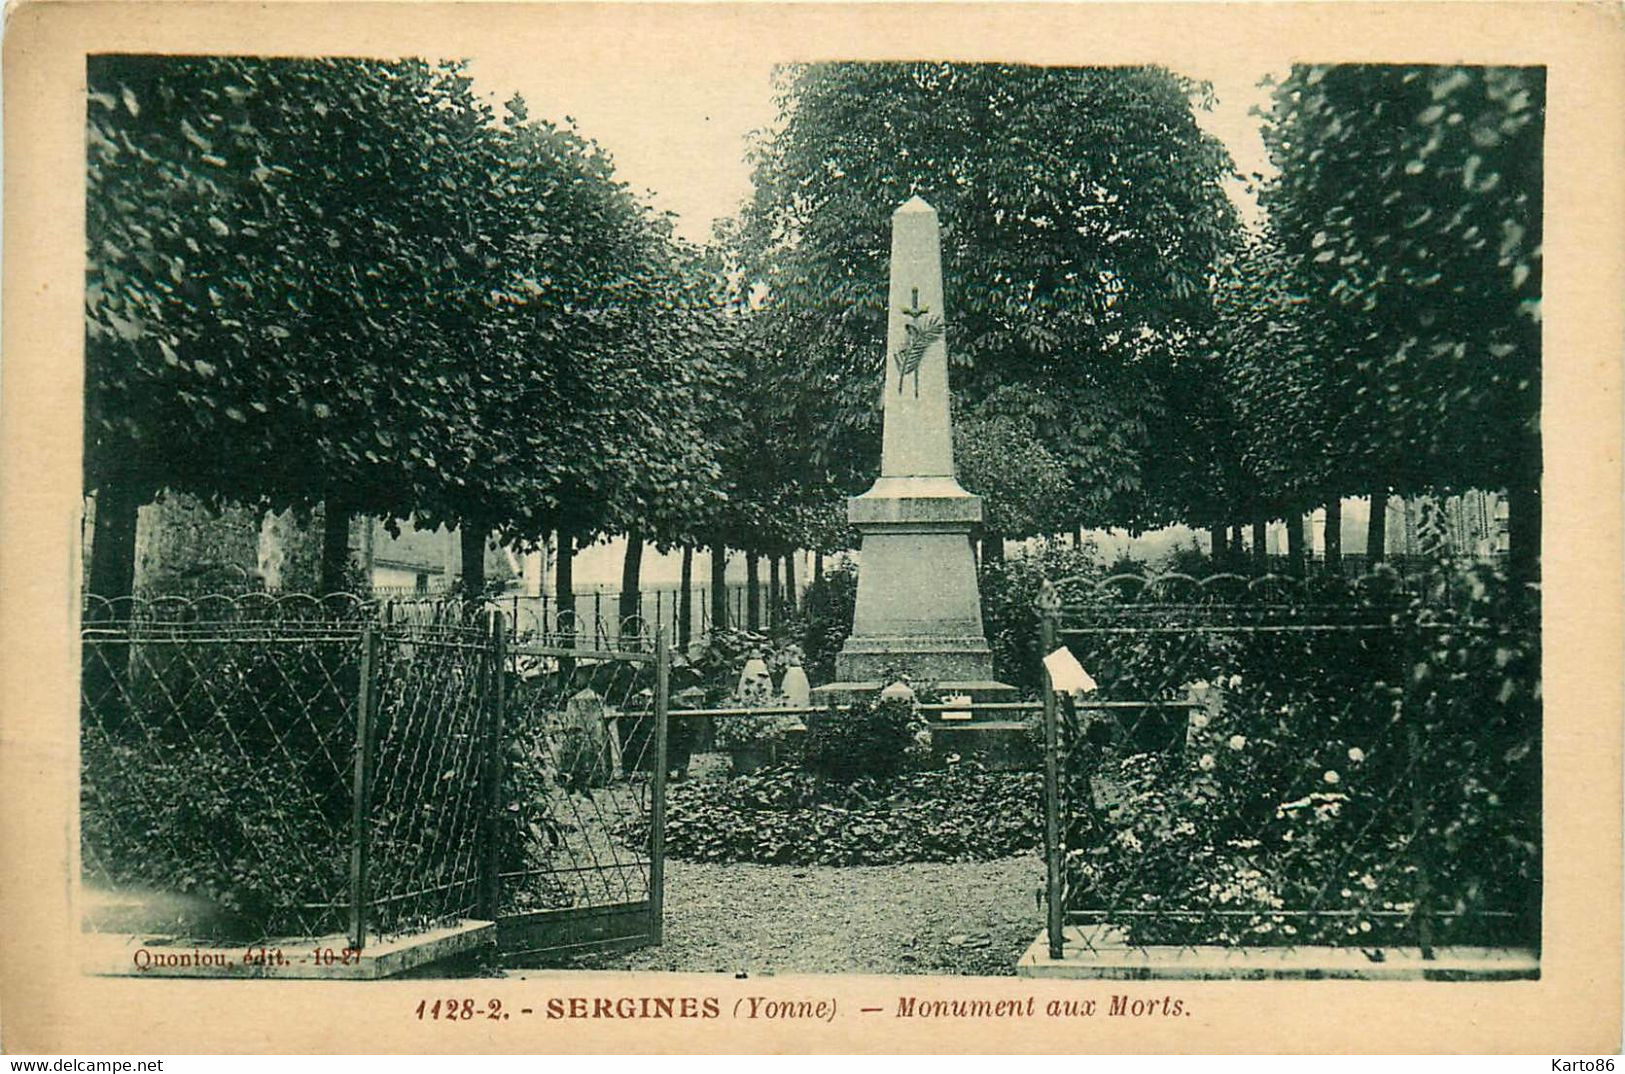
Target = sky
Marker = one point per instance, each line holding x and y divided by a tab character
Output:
678	127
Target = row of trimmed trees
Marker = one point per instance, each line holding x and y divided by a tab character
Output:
1126	353
351	286
1381	335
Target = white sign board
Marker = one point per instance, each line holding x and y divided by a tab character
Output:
1066	675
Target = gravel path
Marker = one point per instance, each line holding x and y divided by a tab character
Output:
970	918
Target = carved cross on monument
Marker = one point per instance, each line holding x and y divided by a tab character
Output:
917	338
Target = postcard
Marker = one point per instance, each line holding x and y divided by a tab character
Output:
589	527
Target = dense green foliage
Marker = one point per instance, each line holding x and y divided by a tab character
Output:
874	739
828	608
787	816
348	282
1377	774
1393	315
1009	590
1082	215
224	773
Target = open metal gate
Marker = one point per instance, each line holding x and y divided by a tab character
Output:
584	733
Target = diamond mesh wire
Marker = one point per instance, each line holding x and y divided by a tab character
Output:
581	740
215	747
219	738
1269	765
427	794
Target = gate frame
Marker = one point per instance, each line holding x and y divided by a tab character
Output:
610	926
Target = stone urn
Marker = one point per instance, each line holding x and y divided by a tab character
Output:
796	689
755	684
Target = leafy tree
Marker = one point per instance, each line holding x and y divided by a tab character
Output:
1408	201
1082	214
1270	422
344	282
278	264
1001	456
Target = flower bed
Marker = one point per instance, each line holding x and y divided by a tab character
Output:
786	816
1375	784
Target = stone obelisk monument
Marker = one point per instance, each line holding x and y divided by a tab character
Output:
917	604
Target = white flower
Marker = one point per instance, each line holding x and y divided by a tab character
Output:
1365	926
1206	763
1356	754
1368	882
1235	681
1237	742
1332	777
1199	720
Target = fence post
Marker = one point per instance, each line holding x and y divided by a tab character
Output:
491	858
1048	610
360	779
1424	877
657	802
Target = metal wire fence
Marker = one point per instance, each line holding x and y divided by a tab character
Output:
316	767
1288	763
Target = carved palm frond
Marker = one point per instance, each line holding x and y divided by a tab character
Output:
918	338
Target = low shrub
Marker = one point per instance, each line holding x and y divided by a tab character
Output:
827	607
1009	619
169	792
788	816
872	740
1351	783
714	667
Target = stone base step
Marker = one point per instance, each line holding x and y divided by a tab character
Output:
1099	952
979	691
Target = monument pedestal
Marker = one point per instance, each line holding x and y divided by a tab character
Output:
917	607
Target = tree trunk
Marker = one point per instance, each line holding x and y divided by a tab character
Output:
1077	537
631	603
112	544
1376	528
992	547
719	586
792	596
471	537
564	597
335	546
818	567
1294	544
753	587
1523	533
1217	550
1261	544
1238	552
1334	535
564	586
775	591
106	670
685	600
